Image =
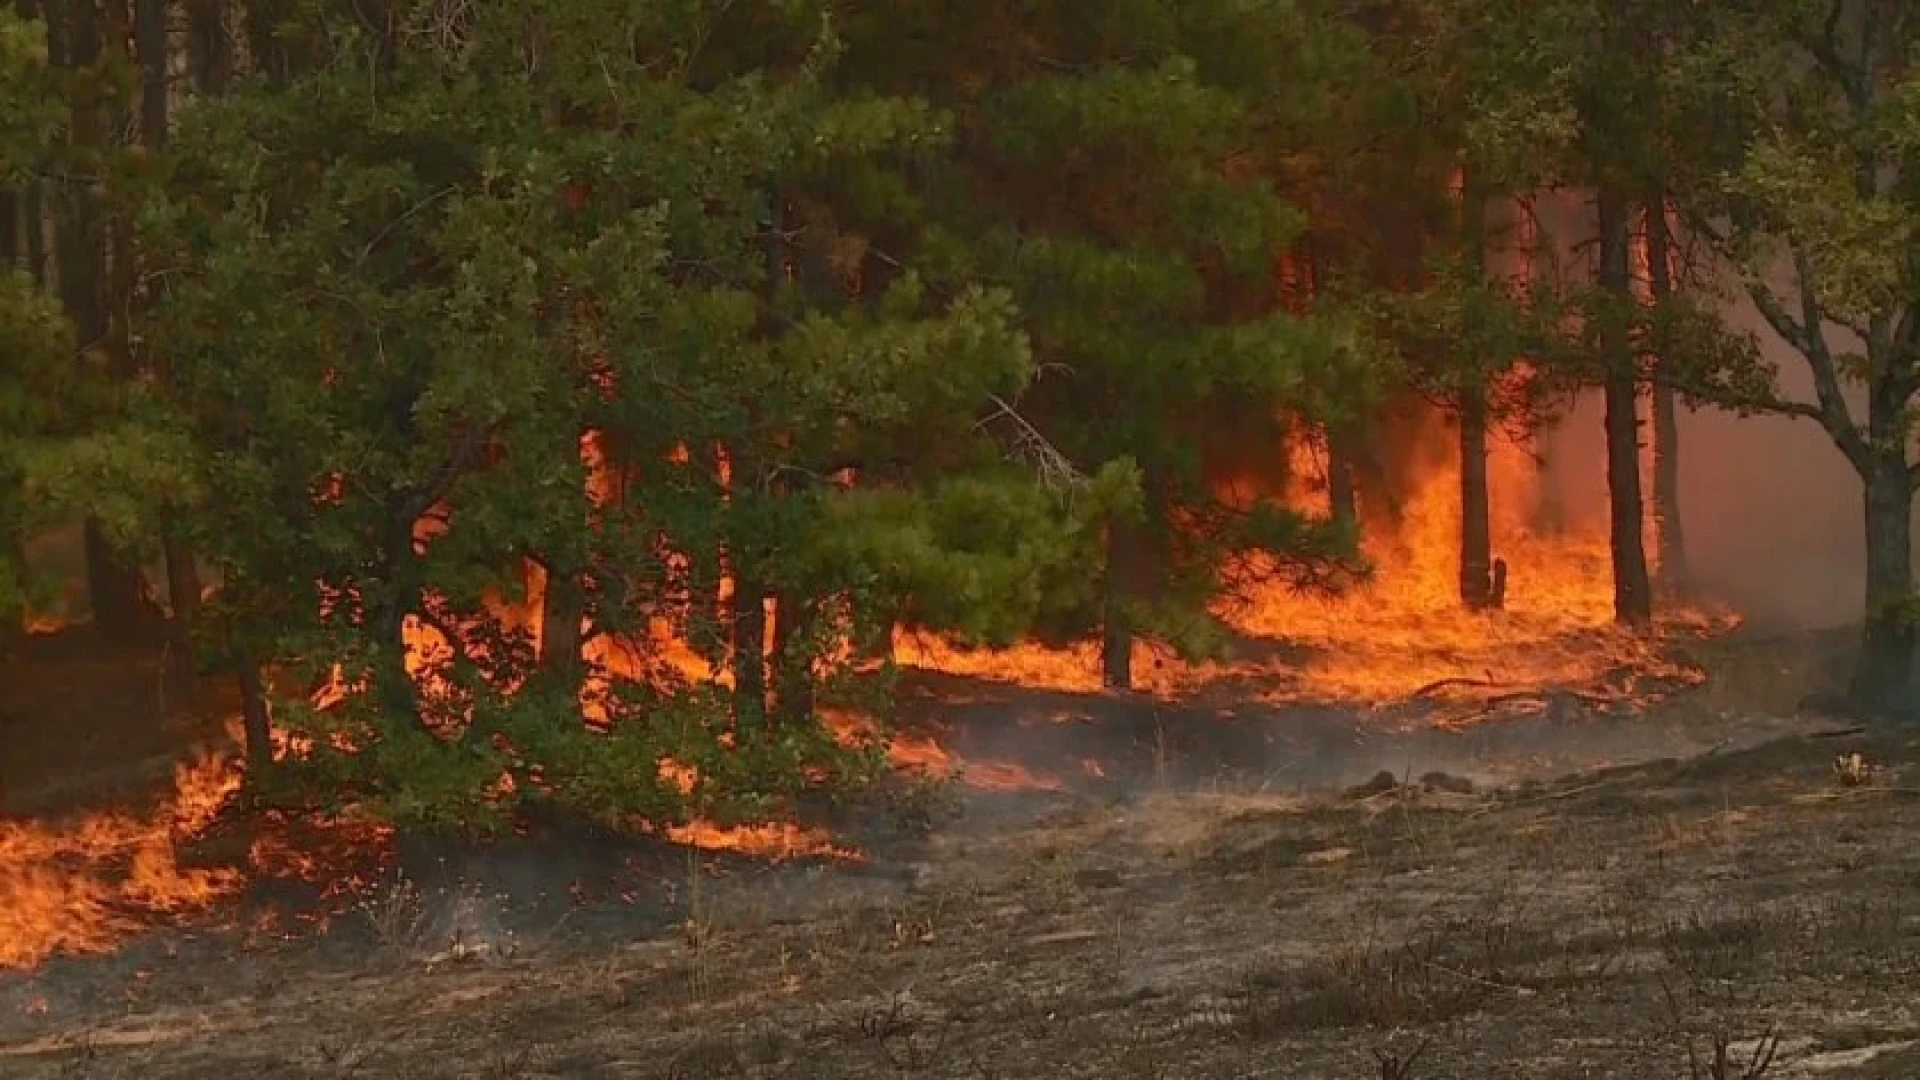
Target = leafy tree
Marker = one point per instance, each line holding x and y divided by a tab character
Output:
1812	111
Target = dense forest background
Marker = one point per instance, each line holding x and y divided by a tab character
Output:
510	397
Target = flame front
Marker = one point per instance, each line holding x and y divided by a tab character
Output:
81	887
1406	629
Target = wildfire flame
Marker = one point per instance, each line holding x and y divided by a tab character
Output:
80	887
1404	631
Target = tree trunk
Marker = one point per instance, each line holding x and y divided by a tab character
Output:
793	660
1476	531
1342	501
749	647
561	612
209	52
13	630
1883	674
12	230
1666	423
183	579
119	603
183	573
33	224
274	48
398	696
256	721
1632	594
15	223
1116	638
1137	554
150	44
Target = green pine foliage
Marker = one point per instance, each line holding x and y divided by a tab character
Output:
1129	173
928	314
73	441
410	278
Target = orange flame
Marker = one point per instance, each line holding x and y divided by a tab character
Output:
1406	629
81	887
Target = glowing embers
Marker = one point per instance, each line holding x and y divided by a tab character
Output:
926	757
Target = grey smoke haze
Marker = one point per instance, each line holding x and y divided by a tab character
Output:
1771	510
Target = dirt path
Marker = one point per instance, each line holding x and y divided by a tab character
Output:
1590	928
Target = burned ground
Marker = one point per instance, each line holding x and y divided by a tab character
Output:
1696	874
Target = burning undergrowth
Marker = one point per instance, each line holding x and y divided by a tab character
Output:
80	886
1397	652
1401	643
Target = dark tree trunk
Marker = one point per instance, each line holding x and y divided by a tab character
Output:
209	52
256	721
119	603
1342	502
183	572
15	223
1632	593
750	588
13	630
749	647
792	624
33	236
274	50
150	42
183	579
398	695
561	613
1476	532
1883	674
1116	638
708	616
12	229
1137	562
1666	422
1137	565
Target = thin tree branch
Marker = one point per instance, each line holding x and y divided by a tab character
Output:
1052	467
1826	374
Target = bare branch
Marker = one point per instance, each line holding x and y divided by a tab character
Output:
1052	467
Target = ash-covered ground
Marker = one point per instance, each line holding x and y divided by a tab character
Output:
1222	892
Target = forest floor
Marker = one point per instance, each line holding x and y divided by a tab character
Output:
1559	897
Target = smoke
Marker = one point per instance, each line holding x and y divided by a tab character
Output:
1770	508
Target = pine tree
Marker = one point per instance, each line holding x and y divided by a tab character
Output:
1123	170
75	441
397	318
